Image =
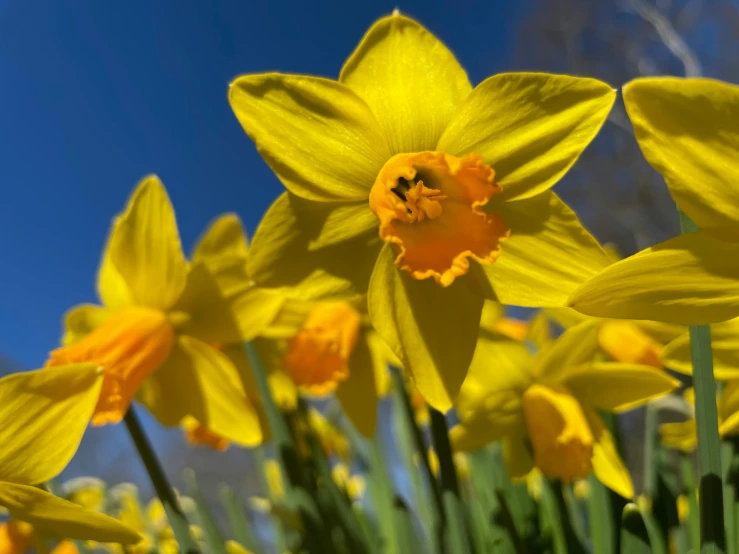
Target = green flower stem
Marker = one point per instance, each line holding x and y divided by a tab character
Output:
281	437
713	538
650	438
455	537
449	481
175	515
688	481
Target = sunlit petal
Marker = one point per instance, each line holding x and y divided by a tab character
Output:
411	81
201	382
616	386
688	129
43	415
432	329
530	127
60	518
305	246
145	247
547	256
697	283
317	135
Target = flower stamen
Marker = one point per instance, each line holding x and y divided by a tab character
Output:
430	208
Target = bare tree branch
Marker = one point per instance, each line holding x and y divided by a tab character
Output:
669	36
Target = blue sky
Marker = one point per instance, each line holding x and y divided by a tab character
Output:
96	95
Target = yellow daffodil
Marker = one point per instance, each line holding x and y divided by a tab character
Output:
687	130
162	328
405	183
43	415
633	342
321	346
543	407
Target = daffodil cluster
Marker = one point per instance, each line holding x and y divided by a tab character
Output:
373	302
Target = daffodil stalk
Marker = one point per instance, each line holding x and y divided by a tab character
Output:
177	518
454	518
713	535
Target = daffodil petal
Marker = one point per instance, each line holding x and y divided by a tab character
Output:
240	361
224	250
317	135
199	381
111	286
382	356
411	81
209	315
145	247
529	127
697	283
289	250
255	310
660	331
565	317
617	387
59	518
687	130
517	457
82	320
729	401
724	345
577	346
358	394
730	426
607	464
225	236
489	402
43	415
548	255
680	435
432	329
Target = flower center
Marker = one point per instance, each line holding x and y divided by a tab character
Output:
317	356
625	342
429	205
559	432
130	346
